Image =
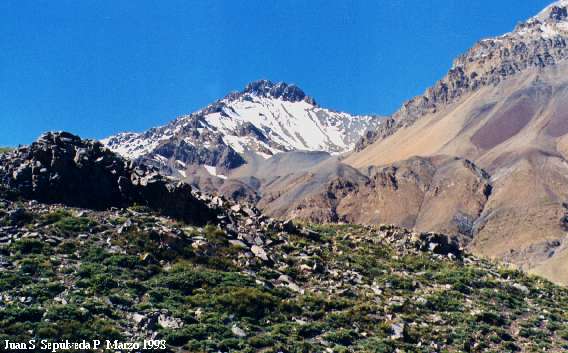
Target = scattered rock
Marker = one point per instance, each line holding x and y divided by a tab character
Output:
259	252
169	322
397	330
237	331
521	288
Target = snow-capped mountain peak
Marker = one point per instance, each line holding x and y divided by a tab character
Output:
551	22
265	118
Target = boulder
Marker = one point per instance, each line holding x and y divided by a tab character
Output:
259	252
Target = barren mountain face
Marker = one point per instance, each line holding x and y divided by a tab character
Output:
540	42
507	113
420	193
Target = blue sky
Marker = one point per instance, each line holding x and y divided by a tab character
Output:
96	67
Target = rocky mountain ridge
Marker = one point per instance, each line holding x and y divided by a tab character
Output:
539	42
267	89
62	168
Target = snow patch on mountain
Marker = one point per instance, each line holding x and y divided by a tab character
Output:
290	125
551	22
213	171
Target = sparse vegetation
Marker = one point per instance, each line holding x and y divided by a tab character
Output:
351	291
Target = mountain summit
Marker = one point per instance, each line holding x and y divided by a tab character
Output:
280	90
264	119
555	11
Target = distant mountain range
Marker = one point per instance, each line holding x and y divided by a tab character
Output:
482	154
97	247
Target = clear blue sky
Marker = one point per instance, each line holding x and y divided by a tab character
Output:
98	67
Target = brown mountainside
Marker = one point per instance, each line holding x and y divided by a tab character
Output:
507	111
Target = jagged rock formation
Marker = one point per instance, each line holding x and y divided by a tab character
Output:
264	119
281	90
61	167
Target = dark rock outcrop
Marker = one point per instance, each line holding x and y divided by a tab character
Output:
282	90
218	154
558	13
436	243
62	168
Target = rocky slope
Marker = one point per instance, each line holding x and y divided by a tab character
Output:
265	118
250	284
245	282
503	106
540	42
442	194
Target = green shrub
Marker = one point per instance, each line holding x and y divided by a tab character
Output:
9	280
263	340
445	301
68	247
125	261
28	246
74	224
187	280
344	337
248	302
15	313
67	312
120	299
52	217
311	330
195	332
32	266
103	282
492	318
215	235
67	223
